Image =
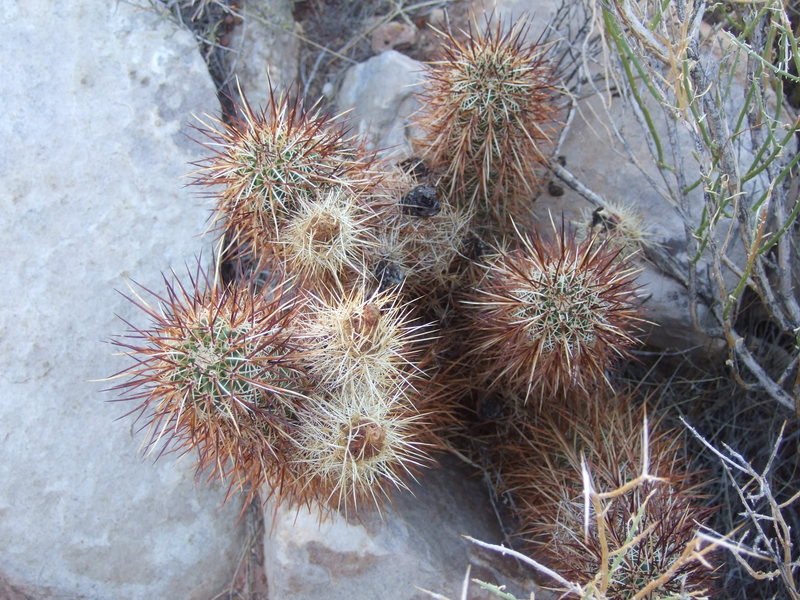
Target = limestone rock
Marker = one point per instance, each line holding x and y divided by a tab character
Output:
266	49
393	35
415	543
96	101
537	13
381	93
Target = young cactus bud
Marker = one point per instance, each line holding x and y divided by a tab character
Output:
355	444
361	340
488	112
326	240
623	226
552	315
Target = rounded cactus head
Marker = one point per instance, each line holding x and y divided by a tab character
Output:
271	160
326	239
552	315
361	339
586	509
213	371
355	444
489	110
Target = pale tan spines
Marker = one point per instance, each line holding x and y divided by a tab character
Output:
327	241
360	339
356	444
424	242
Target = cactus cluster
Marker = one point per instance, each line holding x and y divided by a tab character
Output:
295	189
396	294
308	383
542	317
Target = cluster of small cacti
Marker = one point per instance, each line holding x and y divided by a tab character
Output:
311	381
328	383
541	318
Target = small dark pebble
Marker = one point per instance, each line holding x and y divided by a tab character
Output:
389	274
554	189
422	201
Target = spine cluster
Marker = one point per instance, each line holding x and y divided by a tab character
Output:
401	296
551	315
645	523
490	112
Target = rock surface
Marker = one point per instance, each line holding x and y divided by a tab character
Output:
393	36
381	93
415	544
96	102
538	13
266	49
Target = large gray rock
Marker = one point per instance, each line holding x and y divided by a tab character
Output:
415	543
537	13
96	100
380	91
266	49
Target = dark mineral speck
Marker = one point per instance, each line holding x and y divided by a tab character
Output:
422	201
554	189
389	274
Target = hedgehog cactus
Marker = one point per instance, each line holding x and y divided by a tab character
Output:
356	444
361	339
321	415
552	315
273	164
327	240
215	371
329	391
488	112
647	523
